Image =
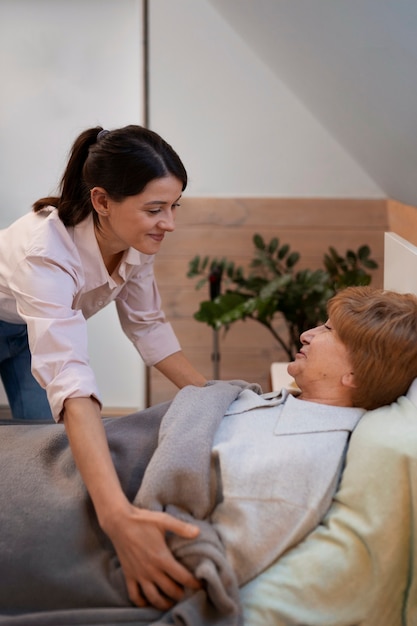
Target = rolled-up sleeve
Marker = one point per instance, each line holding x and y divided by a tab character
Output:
141	317
44	292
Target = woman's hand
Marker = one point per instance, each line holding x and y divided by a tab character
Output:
153	576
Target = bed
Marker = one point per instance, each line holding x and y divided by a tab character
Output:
357	567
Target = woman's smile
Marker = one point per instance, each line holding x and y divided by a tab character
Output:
131	223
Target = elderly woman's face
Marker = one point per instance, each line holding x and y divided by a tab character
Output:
323	358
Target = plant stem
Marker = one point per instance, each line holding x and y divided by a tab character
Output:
274	333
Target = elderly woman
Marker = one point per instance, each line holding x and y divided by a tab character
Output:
255	472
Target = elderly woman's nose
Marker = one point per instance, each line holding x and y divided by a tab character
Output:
307	335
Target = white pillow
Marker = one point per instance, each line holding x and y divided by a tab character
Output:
412	392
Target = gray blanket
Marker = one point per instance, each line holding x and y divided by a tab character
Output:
57	566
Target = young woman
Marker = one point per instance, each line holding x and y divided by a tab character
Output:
63	262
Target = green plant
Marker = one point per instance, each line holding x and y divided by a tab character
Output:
273	287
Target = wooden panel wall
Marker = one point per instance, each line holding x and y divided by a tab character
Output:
224	227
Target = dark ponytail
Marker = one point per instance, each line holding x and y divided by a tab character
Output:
122	162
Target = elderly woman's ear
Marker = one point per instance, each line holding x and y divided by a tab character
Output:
348	380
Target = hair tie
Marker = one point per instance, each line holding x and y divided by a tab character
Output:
102	134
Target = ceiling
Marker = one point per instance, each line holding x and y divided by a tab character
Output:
353	63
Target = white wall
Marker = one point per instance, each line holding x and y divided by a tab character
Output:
354	65
66	65
400	264
239	129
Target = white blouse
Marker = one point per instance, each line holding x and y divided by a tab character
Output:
53	278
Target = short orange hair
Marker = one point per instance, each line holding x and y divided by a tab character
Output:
379	329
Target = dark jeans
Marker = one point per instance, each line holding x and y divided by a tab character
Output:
26	397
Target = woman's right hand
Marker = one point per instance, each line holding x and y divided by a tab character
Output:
153	576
